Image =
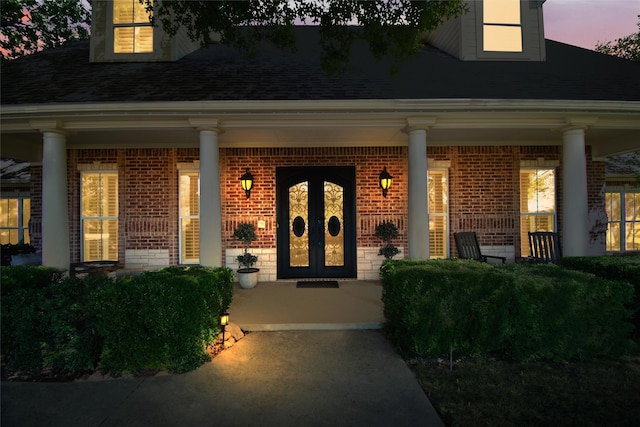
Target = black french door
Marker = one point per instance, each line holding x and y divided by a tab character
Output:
316	221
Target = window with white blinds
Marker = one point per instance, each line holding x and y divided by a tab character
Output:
623	213
189	217
99	216
537	204
502	27
14	220
438	213
132	30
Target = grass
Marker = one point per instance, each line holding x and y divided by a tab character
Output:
494	393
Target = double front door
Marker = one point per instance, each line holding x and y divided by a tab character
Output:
316	222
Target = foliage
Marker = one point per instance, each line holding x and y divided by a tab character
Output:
626	47
29	26
523	312
391	28
246	233
624	268
45	321
387	231
161	320
157	320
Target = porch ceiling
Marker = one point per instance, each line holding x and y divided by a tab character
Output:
611	127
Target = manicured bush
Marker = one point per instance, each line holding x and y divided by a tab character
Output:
614	267
161	320
560	314
45	323
432	307
523	312
158	320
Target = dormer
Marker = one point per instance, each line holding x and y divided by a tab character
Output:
494	30
121	32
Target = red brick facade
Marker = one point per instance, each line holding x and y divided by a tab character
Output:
483	191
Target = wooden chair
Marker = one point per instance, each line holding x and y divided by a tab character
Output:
545	247
468	247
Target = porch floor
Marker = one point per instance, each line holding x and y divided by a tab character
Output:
279	306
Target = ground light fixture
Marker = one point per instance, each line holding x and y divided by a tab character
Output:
246	181
385	181
224	321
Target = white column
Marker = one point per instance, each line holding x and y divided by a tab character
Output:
55	210
418	195
210	205
575	238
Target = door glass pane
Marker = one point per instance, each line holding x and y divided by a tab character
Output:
299	225
333	225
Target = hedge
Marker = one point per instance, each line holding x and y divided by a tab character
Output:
519	312
614	267
156	320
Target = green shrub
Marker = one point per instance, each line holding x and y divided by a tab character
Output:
562	314
27	277
161	320
158	320
623	268
520	312
72	342
22	334
45	323
437	305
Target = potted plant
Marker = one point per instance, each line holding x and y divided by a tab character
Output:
247	274
387	231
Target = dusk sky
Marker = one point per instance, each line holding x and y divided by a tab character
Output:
585	22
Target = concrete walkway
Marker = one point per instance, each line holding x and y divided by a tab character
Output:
278	306
320	363
292	378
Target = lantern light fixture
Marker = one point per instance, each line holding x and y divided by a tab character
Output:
385	181
224	321
246	181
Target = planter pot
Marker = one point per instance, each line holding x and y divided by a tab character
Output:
248	277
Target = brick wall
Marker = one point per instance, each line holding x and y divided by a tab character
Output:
371	207
483	191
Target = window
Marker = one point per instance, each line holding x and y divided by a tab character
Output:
537	204
189	217
438	213
502	29
623	211
14	220
99	216
132	30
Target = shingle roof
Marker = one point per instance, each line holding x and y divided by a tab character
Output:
217	72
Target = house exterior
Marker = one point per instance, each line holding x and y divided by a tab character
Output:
138	141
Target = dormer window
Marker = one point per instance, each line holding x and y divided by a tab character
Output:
132	29
502	26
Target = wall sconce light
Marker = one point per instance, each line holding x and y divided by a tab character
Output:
224	321
246	181
385	181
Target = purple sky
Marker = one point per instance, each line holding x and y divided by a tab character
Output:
585	22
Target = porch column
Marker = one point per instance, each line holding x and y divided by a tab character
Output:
55	210
575	236
418	195
210	205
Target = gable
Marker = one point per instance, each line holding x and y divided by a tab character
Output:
149	44
467	37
